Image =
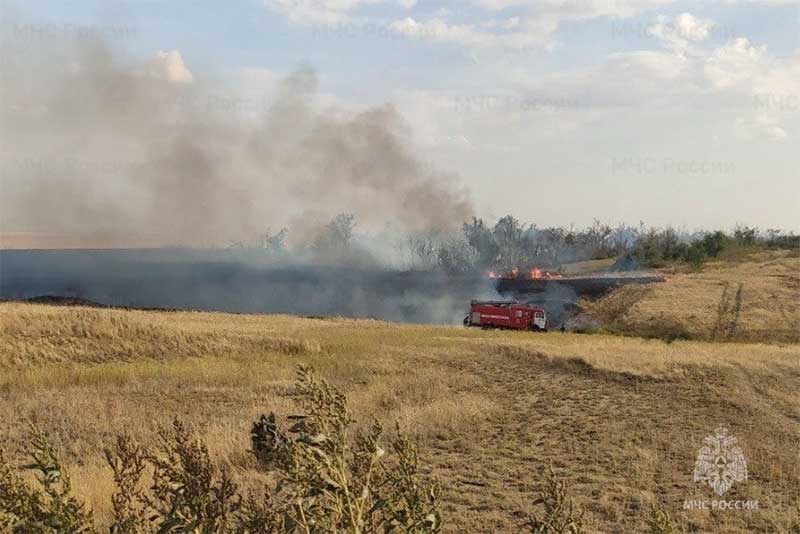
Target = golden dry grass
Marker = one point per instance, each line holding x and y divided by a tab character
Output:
622	418
757	299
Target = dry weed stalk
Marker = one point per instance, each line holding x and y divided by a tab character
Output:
660	522
326	482
559	515
330	483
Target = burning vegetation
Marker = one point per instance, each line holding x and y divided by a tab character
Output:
533	274
343	271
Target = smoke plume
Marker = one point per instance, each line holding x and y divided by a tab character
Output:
105	144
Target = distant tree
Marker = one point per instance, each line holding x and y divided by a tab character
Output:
508	234
715	243
457	256
623	238
424	250
672	247
275	243
552	247
595	241
745	236
483	241
696	254
777	239
334	241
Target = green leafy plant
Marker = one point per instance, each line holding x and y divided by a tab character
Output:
48	507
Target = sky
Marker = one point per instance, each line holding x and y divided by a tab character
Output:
556	111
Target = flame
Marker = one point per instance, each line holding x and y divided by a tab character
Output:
535	274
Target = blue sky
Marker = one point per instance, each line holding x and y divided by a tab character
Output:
346	49
671	112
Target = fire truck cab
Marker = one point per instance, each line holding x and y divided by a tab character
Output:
506	314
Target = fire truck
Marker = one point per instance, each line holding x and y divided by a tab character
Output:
506	314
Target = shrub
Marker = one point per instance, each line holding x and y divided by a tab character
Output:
660	522
189	493
558	514
325	481
695	255
715	243
49	508
128	504
667	329
330	483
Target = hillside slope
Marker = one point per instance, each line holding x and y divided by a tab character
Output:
753	300
621	418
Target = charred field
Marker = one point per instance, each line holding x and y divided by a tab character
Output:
620	418
218	280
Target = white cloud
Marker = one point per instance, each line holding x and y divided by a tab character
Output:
318	11
537	24
692	104
533	29
513	33
678	32
170	66
438	30
693	93
761	127
735	64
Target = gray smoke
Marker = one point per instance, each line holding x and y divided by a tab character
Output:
99	143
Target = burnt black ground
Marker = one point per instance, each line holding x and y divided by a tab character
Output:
249	282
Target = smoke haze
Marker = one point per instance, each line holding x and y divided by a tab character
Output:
101	144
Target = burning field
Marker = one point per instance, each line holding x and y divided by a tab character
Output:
218	281
168	260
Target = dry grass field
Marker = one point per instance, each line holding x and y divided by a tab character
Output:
756	299
621	418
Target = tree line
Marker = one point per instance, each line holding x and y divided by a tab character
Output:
509	243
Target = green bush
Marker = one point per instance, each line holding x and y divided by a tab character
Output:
696	255
715	243
48	508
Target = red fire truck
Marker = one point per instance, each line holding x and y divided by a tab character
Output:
506	314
